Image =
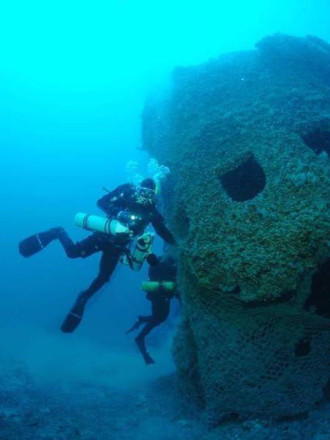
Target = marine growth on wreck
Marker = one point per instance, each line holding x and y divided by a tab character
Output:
247	139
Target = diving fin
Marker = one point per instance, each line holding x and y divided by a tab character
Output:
37	242
71	322
141	345
75	315
30	246
147	358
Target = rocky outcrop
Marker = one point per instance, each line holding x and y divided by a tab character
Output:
247	137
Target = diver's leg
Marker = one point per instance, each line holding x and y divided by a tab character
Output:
81	249
108	263
35	243
160	311
140	320
140	342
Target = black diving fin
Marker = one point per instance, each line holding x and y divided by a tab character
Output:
71	322
35	243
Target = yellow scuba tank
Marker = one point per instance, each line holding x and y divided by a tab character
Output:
101	224
153	286
141	250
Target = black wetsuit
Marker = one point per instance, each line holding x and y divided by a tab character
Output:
125	199
164	270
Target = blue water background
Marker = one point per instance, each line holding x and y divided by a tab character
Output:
74	77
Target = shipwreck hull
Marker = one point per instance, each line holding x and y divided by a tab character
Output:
247	139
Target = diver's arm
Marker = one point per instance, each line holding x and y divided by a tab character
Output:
158	223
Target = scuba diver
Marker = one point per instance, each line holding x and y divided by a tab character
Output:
129	209
160	289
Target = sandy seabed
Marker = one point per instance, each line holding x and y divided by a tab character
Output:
88	407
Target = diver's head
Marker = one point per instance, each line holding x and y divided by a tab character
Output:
149	184
146	193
